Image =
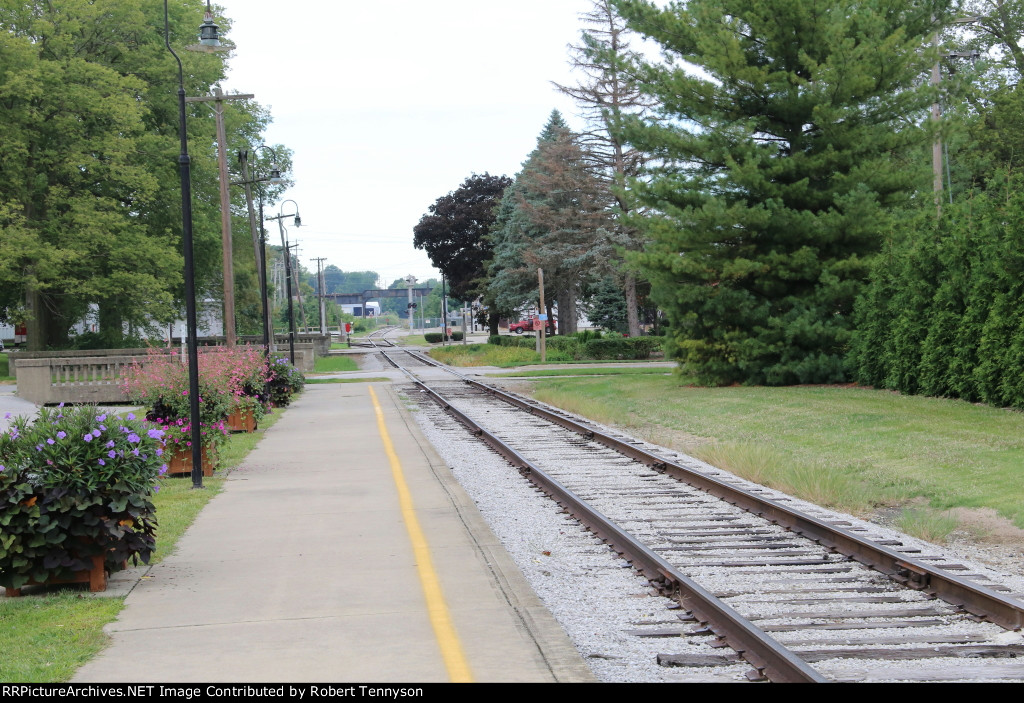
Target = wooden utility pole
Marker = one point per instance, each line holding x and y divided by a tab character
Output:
543	318
320	292
218	99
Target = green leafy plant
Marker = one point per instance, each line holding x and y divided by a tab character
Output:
229	380
285	381
76	483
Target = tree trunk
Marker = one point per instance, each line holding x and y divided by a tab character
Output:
46	329
492	323
567	314
111	324
632	313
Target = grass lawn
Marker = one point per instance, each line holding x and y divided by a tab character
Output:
459	354
315	381
45	638
413	340
584	371
334	364
5	371
854	449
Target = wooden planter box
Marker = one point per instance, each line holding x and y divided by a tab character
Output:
180	461
240	421
96	577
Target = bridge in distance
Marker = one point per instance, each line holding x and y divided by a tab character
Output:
374	294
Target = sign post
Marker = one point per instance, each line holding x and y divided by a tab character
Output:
543	316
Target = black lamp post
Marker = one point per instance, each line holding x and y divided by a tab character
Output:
209	41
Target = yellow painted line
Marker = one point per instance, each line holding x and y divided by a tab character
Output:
437	608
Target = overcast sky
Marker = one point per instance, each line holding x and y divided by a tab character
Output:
390	105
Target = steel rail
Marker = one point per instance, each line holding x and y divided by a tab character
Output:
972	597
769	658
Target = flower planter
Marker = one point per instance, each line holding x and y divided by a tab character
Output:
96	577
241	421
180	461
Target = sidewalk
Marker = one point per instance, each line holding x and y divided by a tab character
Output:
302	570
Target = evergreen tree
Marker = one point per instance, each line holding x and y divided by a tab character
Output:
554	217
607	93
779	157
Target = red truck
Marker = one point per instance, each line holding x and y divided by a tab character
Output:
528	326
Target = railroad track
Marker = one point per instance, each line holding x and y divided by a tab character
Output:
377	338
794	596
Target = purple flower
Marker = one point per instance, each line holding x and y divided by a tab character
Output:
50	440
96	434
7	416
133	437
135	451
159	452
87	437
156	489
62	434
130	416
155	434
111	453
2	467
39	447
101	418
163	469
110	444
101	462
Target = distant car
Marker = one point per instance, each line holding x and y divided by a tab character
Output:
527	326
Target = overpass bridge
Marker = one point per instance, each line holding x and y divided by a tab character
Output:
361	299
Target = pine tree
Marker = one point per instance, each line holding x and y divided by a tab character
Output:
779	157
607	93
554	217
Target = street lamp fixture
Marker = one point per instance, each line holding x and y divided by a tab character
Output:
208	30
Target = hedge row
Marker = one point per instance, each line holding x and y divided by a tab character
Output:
586	346
435	337
942	315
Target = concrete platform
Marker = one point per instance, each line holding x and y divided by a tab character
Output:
304	569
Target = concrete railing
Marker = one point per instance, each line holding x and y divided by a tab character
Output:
320	343
13	359
97	379
93	379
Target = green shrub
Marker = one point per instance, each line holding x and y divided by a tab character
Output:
510	341
433	337
941	314
568	348
621	348
76	484
285	381
456	336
